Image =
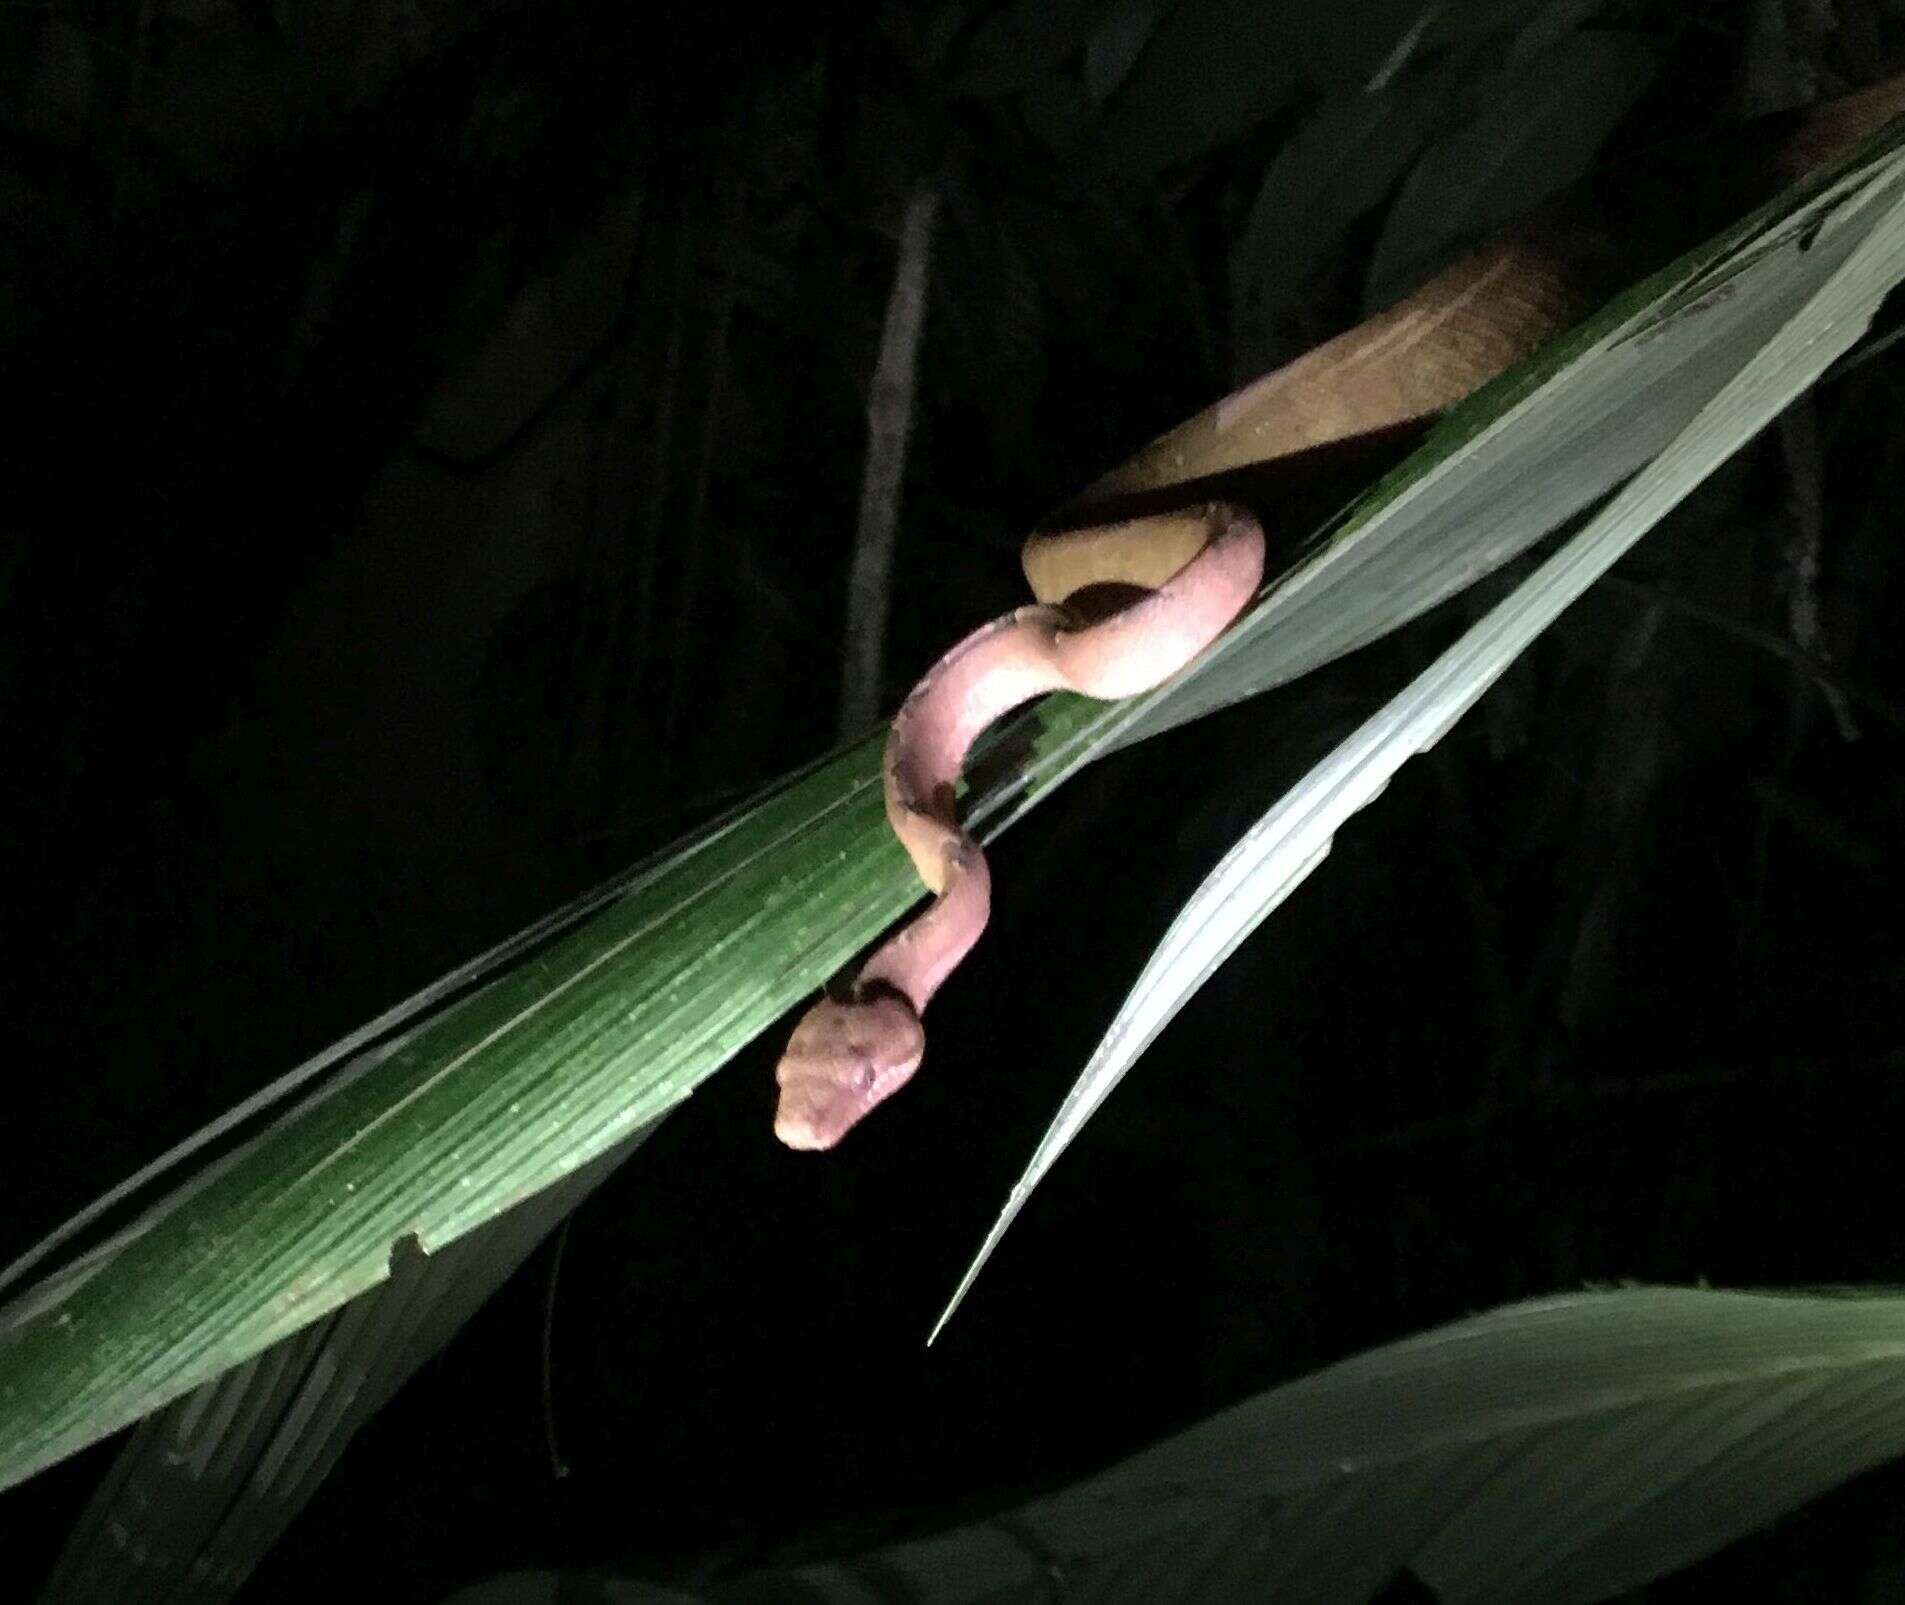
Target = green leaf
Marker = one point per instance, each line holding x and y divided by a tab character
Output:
479	1093
204	1487
594	1032
1565	1449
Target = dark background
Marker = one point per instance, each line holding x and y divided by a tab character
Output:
434	445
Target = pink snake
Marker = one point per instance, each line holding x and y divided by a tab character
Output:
1192	573
850	1054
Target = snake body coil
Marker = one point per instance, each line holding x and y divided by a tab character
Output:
849	1054
1192	573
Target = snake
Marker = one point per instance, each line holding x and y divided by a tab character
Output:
1122	605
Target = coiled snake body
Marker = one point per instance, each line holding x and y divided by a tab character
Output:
1193	571
849	1054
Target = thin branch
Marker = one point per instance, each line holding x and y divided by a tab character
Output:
1806	507
889	418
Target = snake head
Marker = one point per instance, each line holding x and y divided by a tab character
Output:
843	1059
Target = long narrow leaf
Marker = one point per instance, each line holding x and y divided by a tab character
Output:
1561	1450
207	1485
478	1094
1826	298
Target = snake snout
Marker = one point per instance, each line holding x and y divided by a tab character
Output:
842	1061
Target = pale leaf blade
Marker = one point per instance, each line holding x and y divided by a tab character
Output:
1280	850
